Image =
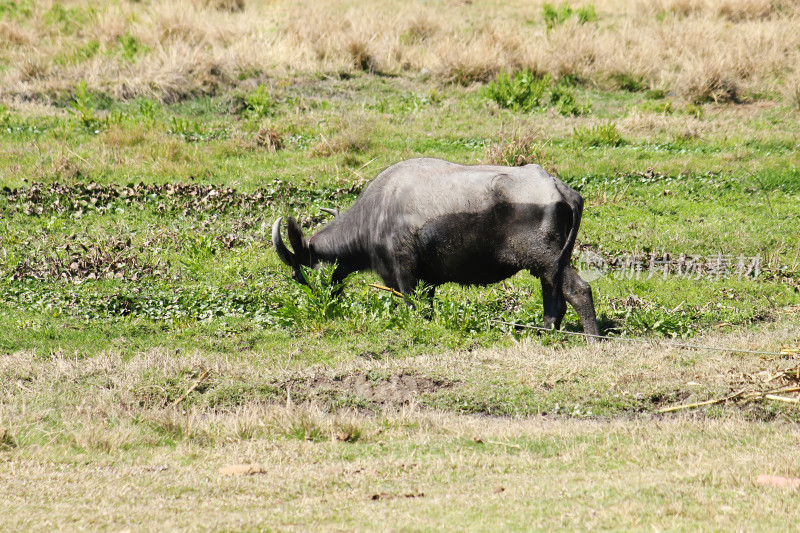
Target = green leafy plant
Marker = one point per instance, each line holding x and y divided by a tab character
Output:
563	99
88	50
259	103
83	109
465	316
629	81
129	47
193	131
316	300
641	321
694	110
147	111
521	92
601	135
199	249
554	16
586	14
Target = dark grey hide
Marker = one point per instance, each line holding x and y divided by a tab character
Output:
434	221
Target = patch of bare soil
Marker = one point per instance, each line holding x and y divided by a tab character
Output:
399	388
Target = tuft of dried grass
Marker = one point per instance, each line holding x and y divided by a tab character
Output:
354	136
7	439
739	10
14	34
231	6
709	80
268	139
66	169
363	59
731	10
702	49
574	49
792	90
521	147
33	68
175	73
465	59
420	29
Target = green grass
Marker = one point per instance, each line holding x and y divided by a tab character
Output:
135	253
172	231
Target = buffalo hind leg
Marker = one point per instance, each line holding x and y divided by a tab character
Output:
554	305
579	295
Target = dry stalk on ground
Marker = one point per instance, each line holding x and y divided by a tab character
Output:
781	385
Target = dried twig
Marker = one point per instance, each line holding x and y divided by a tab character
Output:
782	398
783	390
199	380
388	289
506	444
701	404
740	395
22	387
81	158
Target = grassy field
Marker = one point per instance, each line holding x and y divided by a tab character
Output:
149	335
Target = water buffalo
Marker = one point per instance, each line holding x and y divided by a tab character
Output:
435	221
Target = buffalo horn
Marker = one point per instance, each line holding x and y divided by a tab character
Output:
283	252
334	212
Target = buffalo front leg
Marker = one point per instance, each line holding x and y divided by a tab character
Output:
415	293
579	295
554	305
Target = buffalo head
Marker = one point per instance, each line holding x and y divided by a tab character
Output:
302	255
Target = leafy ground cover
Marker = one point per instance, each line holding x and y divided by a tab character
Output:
148	331
182	238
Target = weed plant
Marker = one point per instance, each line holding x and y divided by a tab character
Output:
565	102
259	103
600	135
130	48
82	107
554	16
525	92
521	91
313	301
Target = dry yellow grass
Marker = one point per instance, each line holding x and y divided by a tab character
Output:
448	474
699	49
93	444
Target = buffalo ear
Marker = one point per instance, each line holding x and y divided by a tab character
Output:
298	242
